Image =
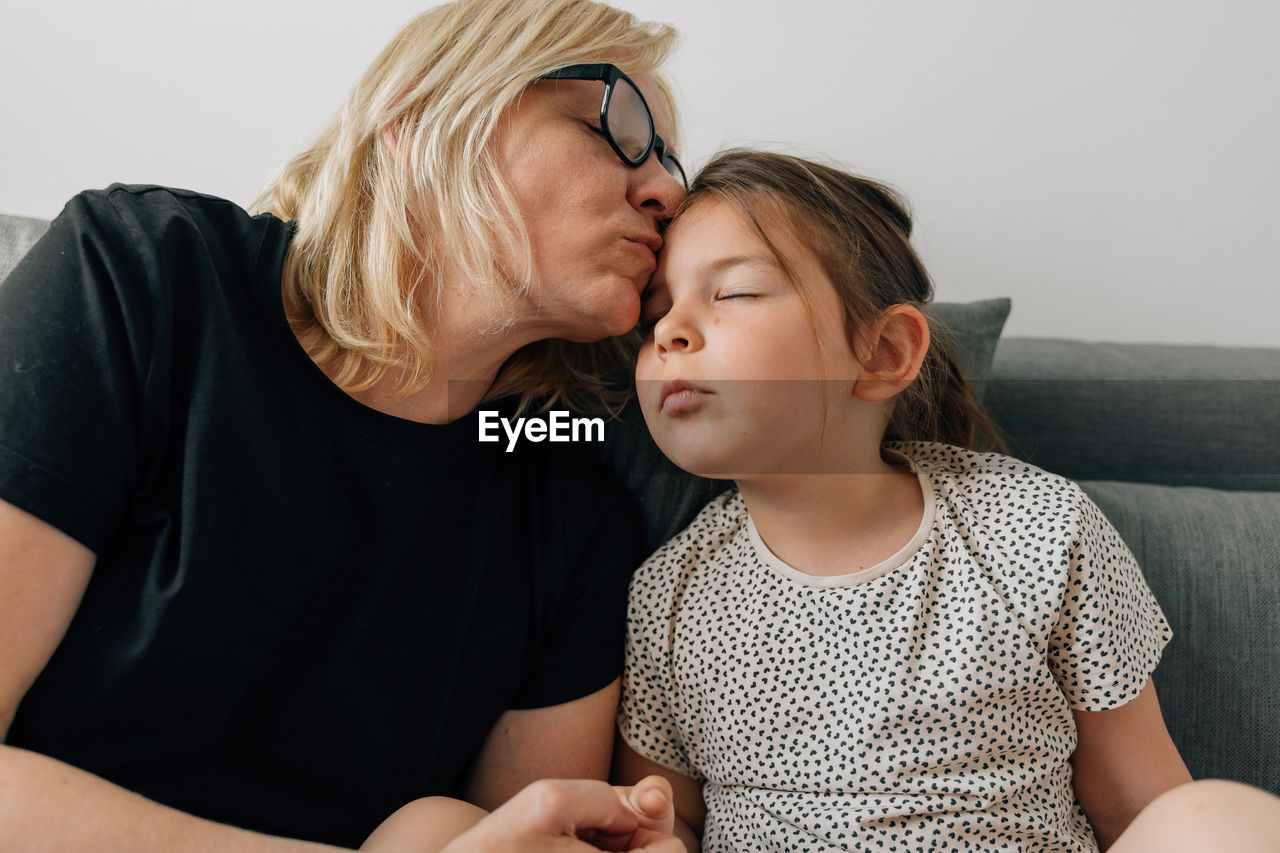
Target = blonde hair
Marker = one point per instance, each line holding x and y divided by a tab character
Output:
404	178
859	231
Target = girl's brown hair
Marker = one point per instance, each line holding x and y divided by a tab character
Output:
859	231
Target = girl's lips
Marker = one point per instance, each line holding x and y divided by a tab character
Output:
680	397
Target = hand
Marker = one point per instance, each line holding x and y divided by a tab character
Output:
577	815
651	801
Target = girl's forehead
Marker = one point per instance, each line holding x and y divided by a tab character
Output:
711	230
703	235
708	224
711	236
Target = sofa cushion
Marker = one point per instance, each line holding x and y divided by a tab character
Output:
17	235
973	330
1212	558
1151	413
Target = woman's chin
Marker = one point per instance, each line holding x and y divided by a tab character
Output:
608	326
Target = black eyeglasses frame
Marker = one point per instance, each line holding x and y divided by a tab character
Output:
610	74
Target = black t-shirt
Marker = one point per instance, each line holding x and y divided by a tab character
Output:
304	612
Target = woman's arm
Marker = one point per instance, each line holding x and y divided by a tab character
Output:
46	804
568	741
43	575
1124	759
629	767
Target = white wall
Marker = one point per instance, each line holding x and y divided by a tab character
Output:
1109	164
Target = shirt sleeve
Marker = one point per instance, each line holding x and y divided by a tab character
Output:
581	650
1110	632
647	718
71	348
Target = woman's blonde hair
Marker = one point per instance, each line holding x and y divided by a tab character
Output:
404	178
859	231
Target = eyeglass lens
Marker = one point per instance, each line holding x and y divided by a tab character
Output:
631	126
629	121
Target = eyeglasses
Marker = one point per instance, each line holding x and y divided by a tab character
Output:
624	117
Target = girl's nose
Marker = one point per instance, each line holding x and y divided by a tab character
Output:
676	333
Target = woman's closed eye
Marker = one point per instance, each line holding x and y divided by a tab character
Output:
599	133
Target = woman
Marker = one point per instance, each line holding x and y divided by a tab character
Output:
255	568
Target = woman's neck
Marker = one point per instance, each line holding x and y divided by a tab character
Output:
465	368
467	352
836	524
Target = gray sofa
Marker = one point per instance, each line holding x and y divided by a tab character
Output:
1180	446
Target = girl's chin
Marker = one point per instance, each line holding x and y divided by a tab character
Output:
701	464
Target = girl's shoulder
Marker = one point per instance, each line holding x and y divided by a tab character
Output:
982	478
716	527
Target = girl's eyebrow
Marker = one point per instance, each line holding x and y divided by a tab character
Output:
730	261
713	268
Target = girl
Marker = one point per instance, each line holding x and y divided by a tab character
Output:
883	638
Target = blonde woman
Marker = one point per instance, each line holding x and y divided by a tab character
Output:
260	584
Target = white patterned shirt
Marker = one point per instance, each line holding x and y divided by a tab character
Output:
921	703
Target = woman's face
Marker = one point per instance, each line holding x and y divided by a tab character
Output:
592	220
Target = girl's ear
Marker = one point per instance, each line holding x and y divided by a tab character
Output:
895	347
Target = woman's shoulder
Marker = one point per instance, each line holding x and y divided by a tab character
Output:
149	240
149	212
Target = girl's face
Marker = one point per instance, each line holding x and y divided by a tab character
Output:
737	377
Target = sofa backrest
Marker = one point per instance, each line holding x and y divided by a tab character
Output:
1142	413
17	235
1212	558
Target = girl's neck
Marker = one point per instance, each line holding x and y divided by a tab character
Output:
836	524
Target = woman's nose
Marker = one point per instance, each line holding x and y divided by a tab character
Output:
655	191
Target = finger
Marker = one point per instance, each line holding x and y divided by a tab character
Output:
651	797
567	807
642	839
653	841
610	841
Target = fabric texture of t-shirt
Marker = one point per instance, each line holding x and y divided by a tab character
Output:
304	613
922	703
